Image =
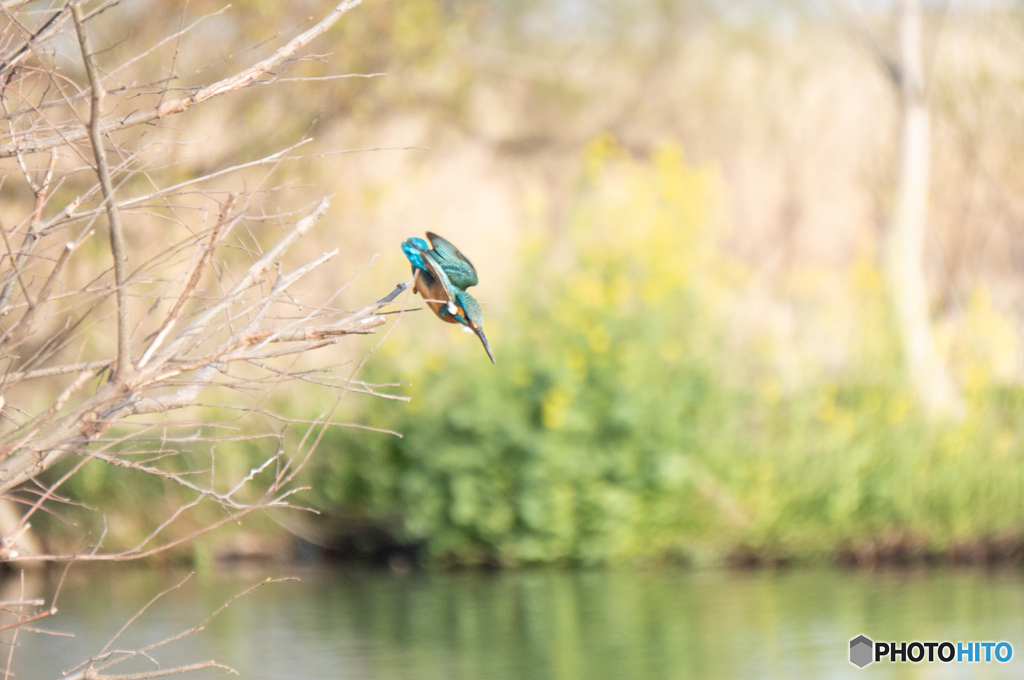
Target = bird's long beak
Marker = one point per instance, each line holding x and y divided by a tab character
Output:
480	334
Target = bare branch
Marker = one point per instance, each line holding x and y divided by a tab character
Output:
236	82
213	299
117	246
139	613
180	670
55	370
29	619
193	281
48	29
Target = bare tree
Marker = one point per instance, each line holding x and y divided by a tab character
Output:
904	248
130	287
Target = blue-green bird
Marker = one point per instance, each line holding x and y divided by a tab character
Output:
441	275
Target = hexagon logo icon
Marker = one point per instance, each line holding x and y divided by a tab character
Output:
860	651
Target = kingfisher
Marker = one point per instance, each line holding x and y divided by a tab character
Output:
441	276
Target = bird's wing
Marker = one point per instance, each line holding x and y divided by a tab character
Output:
470	305
457	266
435	270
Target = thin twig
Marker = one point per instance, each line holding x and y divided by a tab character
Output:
139	613
231	84
89	675
117	245
29	619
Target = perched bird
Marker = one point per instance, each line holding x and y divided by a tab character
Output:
442	275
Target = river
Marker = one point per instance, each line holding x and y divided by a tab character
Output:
557	625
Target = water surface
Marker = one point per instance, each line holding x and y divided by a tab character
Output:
539	625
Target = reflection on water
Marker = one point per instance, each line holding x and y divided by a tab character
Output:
545	624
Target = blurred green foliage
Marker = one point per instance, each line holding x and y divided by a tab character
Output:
571	447
623	423
620	424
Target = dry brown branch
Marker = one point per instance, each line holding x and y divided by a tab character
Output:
37	602
49	28
95	415
235	82
29	619
118	249
91	669
193	281
205	281
142	611
71	213
180	670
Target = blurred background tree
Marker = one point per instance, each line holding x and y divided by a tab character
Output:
677	210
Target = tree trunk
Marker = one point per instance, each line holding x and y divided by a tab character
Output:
904	246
